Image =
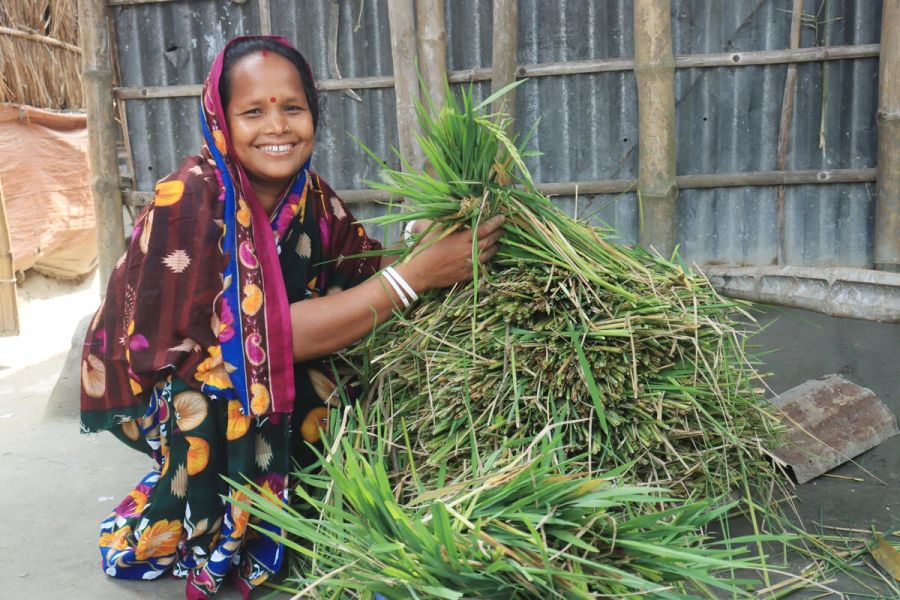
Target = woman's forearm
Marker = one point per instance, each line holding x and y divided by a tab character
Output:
389	259
322	326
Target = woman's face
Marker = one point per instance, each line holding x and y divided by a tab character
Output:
269	119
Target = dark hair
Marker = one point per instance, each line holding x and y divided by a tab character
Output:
252	45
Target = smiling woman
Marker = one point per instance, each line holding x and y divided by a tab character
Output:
208	351
273	135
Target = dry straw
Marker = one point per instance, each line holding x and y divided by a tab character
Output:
40	60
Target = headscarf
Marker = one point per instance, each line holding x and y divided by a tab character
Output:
199	293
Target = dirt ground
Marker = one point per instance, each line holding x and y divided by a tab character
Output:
56	485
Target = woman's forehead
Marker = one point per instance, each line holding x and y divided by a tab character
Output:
256	73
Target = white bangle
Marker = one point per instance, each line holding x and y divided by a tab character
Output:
408	232
397	289
406	287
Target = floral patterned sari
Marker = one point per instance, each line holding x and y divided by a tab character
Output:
189	360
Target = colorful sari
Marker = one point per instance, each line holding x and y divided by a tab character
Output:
189	359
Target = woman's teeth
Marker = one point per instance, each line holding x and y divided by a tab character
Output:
277	149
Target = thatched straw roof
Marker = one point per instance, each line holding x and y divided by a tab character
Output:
40	62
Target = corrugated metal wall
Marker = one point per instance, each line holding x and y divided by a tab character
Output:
728	118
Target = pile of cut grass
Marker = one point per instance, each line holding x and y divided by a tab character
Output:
638	361
532	528
563	426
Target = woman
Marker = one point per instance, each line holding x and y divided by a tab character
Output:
238	277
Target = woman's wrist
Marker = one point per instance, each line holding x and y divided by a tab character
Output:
411	276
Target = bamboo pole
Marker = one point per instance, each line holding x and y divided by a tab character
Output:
768	178
577	67
265	18
705	181
9	311
621	186
887	188
98	100
136	2
432	42
655	75
406	84
120	106
503	59
784	129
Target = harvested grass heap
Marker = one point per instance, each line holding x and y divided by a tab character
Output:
519	433
632	359
40	60
529	529
561	427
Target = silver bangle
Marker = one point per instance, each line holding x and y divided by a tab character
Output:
406	287
408	232
397	289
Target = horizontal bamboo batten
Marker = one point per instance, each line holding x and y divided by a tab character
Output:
136	2
620	186
578	67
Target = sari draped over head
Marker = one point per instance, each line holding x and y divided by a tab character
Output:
189	358
201	296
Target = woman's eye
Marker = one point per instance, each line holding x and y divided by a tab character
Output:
293	108
252	112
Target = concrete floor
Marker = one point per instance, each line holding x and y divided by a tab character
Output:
802	345
807	345
56	484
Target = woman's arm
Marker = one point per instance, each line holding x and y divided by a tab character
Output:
322	326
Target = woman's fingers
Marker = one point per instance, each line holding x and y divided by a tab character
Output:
490	240
490	226
488	254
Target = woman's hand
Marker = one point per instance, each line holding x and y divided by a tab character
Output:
445	261
325	325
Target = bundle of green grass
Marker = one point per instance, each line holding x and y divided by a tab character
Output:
530	528
630	358
563	426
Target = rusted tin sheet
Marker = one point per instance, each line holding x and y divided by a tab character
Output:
830	421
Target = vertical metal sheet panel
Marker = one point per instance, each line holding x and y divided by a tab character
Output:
834	127
728	118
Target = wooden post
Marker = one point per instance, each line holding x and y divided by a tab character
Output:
432	38
503	59
96	77
784	129
9	311
887	185
406	84
265	18
654	67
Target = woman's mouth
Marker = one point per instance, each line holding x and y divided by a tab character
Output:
277	148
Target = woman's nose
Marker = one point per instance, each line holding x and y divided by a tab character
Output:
276	122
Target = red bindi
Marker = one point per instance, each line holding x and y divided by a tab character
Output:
265	53
272	99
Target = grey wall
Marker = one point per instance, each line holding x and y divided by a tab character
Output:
727	118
